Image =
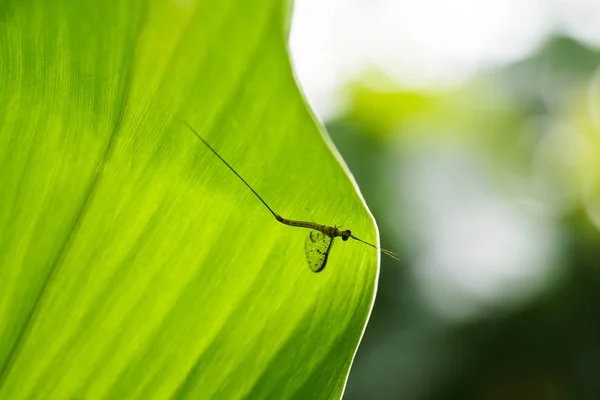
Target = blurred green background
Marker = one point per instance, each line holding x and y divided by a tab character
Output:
489	189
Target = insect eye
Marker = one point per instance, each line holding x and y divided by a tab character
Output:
346	234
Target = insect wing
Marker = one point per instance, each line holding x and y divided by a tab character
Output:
317	246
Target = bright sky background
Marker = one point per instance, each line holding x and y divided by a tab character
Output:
474	249
421	43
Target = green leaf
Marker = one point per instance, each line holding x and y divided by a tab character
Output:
133	263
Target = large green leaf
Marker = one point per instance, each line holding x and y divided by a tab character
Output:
133	263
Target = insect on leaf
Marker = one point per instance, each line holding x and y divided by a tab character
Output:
317	246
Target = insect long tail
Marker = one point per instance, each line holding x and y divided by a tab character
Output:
277	216
384	251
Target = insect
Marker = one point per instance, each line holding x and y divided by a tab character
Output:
319	241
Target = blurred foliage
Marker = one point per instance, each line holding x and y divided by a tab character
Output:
534	129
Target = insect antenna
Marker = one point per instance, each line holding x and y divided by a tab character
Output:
384	251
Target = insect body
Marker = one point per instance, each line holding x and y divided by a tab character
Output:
319	241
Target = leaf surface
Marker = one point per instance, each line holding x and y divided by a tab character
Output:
133	263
